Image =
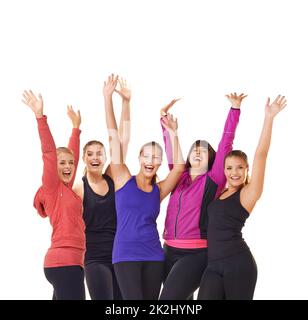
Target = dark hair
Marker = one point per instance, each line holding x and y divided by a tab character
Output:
206	145
239	154
152	144
88	144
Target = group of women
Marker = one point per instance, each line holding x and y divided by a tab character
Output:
104	227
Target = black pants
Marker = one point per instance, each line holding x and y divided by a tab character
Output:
183	272
232	278
67	282
101	281
139	280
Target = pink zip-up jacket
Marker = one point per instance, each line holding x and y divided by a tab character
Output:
187	208
60	203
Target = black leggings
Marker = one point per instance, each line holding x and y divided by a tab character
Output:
67	282
232	278
183	272
139	280
101	281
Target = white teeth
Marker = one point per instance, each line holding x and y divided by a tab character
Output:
95	164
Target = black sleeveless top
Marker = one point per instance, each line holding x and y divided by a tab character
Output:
226	220
99	214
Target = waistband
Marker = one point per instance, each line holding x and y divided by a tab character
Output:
187	243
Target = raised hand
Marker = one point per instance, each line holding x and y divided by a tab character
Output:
110	85
271	110
170	123
124	91
36	104
75	117
165	109
235	99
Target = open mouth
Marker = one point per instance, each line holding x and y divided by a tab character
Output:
67	173
235	178
149	168
95	164
197	158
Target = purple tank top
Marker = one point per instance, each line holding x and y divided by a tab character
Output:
137	238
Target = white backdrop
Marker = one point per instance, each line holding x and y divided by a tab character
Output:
196	49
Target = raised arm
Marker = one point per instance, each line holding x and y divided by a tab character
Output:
74	142
50	178
252	191
166	136
119	171
226	142
124	129
166	186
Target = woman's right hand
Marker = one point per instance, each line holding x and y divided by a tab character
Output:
110	85
36	104
164	110
170	123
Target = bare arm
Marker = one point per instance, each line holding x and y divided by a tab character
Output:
78	189
167	185
252	192
124	129
74	141
119	171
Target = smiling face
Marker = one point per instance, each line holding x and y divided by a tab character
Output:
236	171
94	158
65	166
150	159
198	158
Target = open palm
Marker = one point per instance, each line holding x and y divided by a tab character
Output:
74	116
235	99
274	108
35	103
123	91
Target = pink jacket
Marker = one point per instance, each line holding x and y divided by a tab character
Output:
187	209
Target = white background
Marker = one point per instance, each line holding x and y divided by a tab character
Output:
196	49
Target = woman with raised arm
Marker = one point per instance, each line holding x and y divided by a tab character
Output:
186	221
99	212
138	257
232	271
55	199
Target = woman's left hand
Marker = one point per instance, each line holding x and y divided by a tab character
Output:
235	99
75	117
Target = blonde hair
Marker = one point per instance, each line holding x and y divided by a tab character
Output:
64	150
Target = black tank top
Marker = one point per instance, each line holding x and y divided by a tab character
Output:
226	220
99	214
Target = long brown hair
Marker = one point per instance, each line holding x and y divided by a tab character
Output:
84	150
243	156
152	144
